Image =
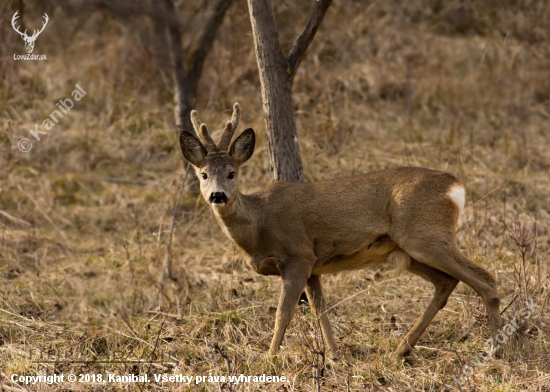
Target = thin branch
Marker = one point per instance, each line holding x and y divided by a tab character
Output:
344	300
157	341
507	306
226	358
14	219
166	270
467	333
184	99
172	315
204	44
301	43
117	180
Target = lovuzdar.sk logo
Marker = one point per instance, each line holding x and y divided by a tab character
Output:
29	40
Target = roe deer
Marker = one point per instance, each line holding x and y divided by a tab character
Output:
406	216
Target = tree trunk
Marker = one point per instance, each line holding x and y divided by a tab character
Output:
276	84
277	72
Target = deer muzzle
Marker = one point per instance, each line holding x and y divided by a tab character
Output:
218	198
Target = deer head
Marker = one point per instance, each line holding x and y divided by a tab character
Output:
217	166
29	41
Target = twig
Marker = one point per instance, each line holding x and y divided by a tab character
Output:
44	214
226	358
166	265
462	367
302	42
507	306
316	352
13	218
130	336
127	181
156	345
171	315
6	387
465	336
522	238
344	300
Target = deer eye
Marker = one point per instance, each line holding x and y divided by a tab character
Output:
231	175
204	176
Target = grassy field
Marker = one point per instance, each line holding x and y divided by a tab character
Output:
459	86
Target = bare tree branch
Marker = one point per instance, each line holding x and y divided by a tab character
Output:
302	42
183	97
204	44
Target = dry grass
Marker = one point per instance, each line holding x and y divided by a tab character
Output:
456	86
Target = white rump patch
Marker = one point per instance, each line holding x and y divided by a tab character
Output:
400	260
458	196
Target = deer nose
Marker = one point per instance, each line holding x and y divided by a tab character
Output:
218	197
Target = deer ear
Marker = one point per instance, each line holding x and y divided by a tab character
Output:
243	146
192	149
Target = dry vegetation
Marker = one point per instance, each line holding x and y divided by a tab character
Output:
459	86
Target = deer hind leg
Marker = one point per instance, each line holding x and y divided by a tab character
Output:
314	292
293	282
449	260
485	285
444	286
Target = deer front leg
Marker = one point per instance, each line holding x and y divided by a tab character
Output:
314	292
293	282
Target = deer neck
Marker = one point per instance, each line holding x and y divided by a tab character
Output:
239	222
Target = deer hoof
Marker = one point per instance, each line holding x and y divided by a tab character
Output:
403	351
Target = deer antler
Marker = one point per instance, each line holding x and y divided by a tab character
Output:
195	120
203	133
230	128
15	16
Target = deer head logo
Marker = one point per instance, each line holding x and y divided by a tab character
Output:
29	41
